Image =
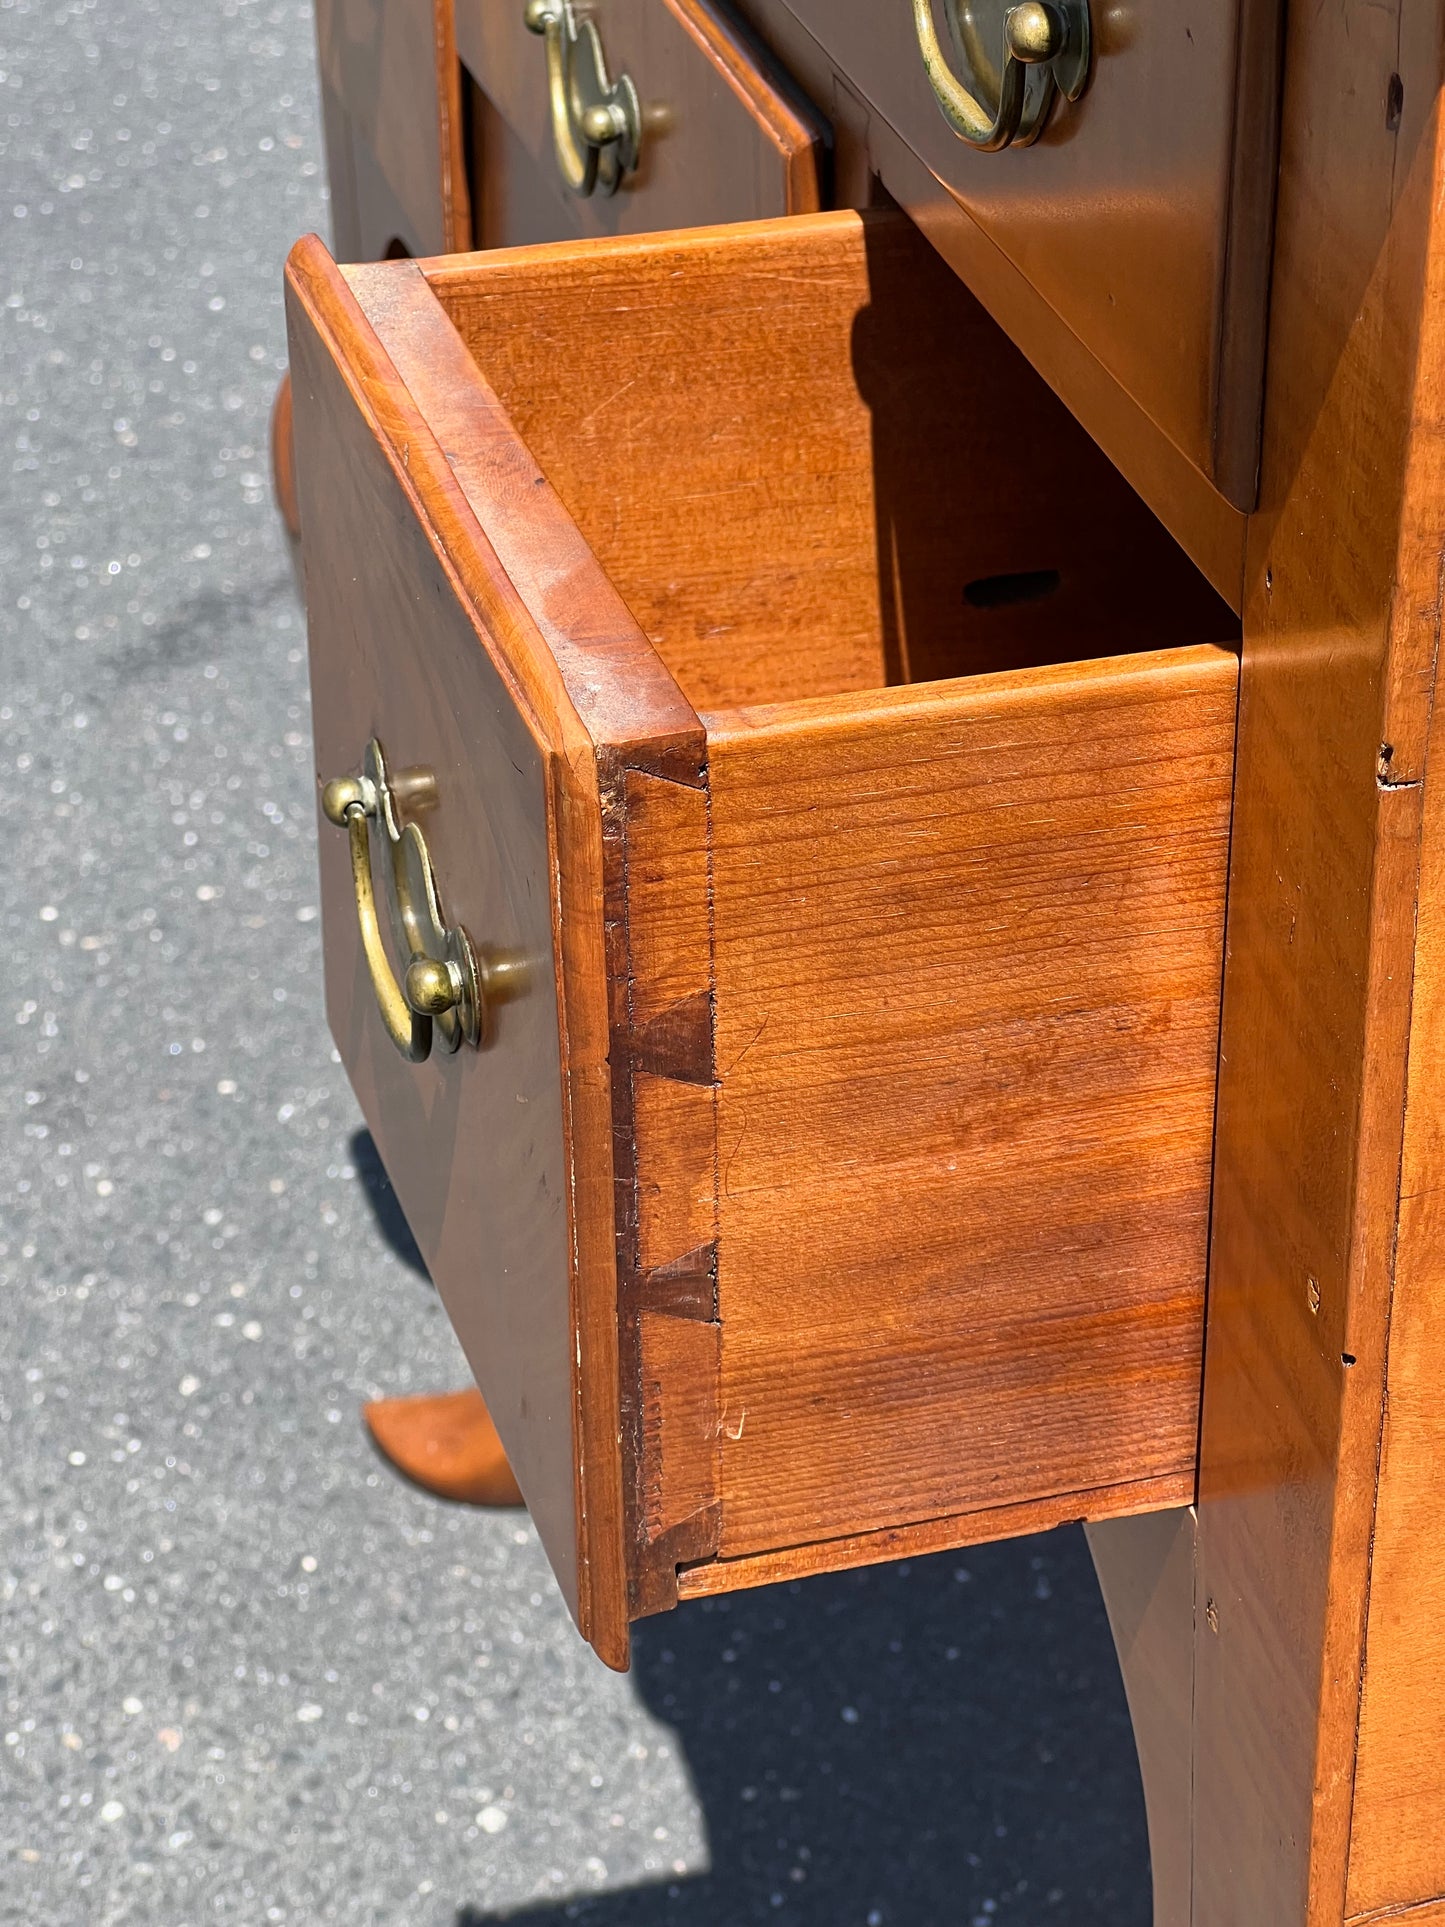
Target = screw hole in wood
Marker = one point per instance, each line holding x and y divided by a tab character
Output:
1008	591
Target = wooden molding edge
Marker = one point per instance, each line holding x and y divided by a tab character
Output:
452	157
937	1535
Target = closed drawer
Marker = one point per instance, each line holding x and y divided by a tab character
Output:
392	109
722	135
1141	214
829	759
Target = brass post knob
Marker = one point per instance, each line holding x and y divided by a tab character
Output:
431	988
596	121
1047	48
345	793
441	991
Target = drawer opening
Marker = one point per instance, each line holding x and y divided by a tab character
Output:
850	751
822	474
953	903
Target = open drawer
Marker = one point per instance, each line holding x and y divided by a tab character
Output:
824	763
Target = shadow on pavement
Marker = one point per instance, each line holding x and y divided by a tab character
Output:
933	1743
390	1220
942	1741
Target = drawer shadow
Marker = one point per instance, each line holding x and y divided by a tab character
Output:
386	1211
898	1746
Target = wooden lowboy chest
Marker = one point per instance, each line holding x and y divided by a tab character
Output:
880	854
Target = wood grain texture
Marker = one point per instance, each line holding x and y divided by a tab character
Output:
589	660
958	940
520	857
1339	646
868	150
370	575
715	1576
664	1107
455	185
1430	1914
680	1427
968	942
675	1125
1396	1851
1136	260
392	108
1320	1594
596	664
643	742
733	447
669	922
727	136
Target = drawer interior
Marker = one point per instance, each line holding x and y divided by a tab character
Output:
967	778
847	751
813	469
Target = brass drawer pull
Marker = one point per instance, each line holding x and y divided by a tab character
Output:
442	989
596	122
1050	38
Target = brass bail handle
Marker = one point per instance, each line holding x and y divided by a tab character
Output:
440	992
1050	37
596	122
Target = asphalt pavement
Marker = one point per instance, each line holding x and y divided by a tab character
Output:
245	1673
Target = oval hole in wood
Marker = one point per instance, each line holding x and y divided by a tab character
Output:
1007	591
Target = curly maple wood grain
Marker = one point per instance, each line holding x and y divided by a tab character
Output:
1397	1845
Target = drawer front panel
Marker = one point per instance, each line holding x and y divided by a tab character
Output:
473	1142
725	137
1142	214
392	107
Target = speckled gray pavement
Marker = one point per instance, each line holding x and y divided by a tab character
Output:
245	1674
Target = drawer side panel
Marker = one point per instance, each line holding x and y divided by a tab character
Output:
968	958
